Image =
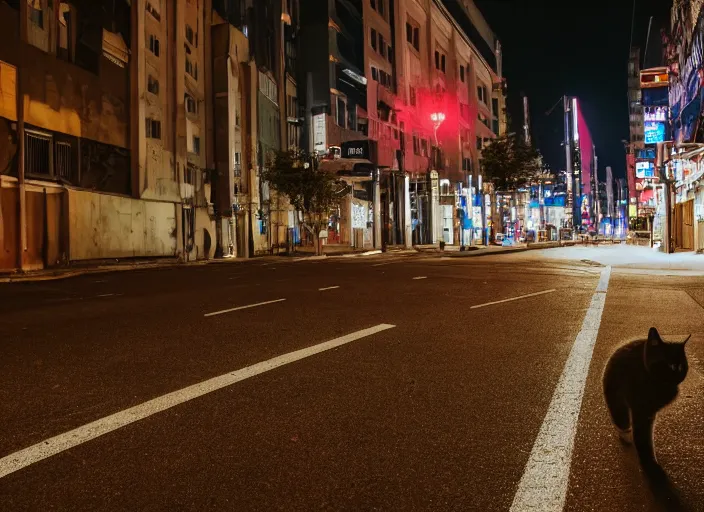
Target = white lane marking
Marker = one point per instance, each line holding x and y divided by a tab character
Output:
513	298
420	277
52	446
388	263
106	295
604	280
544	483
328	288
243	307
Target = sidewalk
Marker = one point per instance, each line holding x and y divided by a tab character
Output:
99	267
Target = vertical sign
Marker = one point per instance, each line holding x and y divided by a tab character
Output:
319	133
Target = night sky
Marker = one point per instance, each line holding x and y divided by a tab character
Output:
577	48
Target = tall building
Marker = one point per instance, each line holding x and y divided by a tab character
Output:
332	87
582	162
108	153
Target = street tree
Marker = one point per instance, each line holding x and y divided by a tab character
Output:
311	190
510	163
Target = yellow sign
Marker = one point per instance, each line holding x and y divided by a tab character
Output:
632	210
8	91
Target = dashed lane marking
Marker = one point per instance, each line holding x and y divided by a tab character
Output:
513	298
230	310
328	288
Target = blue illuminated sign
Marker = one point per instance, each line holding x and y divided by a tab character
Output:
654	132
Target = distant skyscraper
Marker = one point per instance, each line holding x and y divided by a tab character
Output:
609	193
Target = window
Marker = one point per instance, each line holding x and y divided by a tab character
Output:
412	96
373	4
382	46
409	33
191	69
481	93
437	59
153	128
373	39
479	143
191	104
196	145
36	14
495	106
66	32
190	36
153	85
375	74
152	9
351	117
442	63
154	45
381	7
416	38
390	54
462	74
424	147
416	145
63	161
37	159
341	112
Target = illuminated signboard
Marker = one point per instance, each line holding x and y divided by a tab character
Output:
645	170
655	114
654	132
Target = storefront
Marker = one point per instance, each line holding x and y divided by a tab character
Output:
354	223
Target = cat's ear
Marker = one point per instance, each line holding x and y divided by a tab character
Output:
686	340
654	337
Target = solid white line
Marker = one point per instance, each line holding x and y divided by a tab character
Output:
420	277
513	298
52	446
546	477
244	307
106	295
328	288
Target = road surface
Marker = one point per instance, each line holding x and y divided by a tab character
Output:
391	382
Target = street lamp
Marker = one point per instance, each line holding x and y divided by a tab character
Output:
437	118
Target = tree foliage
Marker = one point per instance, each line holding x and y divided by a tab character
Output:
310	190
510	163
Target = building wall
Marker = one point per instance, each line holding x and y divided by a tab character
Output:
107	226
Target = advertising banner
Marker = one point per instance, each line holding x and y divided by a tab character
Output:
685	88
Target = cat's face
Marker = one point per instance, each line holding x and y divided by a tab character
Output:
666	361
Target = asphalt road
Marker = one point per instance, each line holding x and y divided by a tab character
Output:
439	407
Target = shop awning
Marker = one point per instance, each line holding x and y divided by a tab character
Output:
349	168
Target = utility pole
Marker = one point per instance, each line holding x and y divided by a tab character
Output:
661	164
571	203
526	121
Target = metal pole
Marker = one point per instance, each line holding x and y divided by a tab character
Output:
568	162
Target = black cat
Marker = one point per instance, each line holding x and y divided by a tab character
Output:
640	379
